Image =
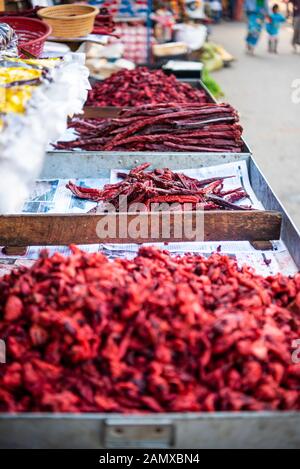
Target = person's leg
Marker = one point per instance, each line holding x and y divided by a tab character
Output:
250	49
215	16
275	45
248	37
296	35
253	34
297	28
270	44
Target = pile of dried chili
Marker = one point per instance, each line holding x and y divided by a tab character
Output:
142	86
163	186
153	334
162	127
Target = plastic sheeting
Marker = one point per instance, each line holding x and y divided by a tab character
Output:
24	137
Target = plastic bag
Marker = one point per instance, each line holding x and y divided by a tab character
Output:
8	41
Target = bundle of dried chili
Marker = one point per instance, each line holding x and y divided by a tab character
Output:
164	186
104	23
142	86
153	334
162	127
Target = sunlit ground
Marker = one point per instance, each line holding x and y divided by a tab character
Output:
261	87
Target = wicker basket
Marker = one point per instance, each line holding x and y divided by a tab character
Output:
31	33
69	21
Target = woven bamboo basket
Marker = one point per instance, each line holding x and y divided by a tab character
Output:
69	21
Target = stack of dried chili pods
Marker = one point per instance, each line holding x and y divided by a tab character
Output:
163	186
154	334
142	86
104	23
162	127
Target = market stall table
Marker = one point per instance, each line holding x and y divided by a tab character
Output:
171	430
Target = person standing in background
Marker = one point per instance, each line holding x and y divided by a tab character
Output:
256	11
273	27
216	10
296	15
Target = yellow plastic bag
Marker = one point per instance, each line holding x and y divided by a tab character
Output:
17	74
43	63
14	99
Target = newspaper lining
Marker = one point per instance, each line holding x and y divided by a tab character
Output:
51	196
237	169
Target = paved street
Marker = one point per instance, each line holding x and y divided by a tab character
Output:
261	89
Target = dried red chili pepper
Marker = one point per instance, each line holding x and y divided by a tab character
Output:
104	23
163	185
165	127
158	333
142	86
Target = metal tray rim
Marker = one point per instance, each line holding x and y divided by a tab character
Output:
276	197
171	415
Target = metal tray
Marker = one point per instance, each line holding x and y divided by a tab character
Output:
172	430
185	430
97	164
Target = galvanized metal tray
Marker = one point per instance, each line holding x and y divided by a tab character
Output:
97	164
172	430
54	229
184	430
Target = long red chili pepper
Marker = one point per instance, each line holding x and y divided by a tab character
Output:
175	127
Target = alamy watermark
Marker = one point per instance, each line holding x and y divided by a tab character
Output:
295	96
165	221
296	352
2	351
